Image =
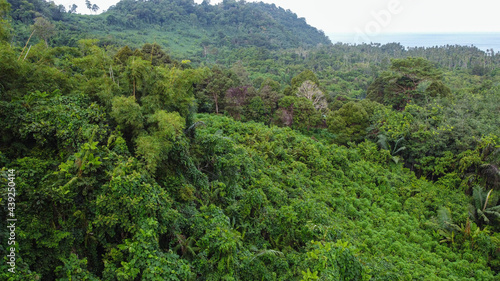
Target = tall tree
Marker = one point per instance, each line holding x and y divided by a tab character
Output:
401	85
306	75
136	71
236	100
44	29
311	91
72	9
350	122
88	4
95	8
217	85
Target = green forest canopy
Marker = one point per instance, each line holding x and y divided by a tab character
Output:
293	162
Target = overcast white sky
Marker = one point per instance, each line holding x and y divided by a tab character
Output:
378	16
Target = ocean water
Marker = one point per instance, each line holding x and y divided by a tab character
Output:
483	41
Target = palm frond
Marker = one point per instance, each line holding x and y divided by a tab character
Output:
399	150
195	125
482	215
478	197
266	252
493	213
396	145
382	142
494	209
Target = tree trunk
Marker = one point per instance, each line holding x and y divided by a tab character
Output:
216	104
133	82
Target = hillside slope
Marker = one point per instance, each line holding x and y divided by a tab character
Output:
130	165
183	26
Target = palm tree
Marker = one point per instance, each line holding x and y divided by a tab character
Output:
447	228
383	142
479	210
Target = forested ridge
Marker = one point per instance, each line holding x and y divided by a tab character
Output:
238	154
183	26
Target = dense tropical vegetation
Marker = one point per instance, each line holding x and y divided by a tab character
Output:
249	149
